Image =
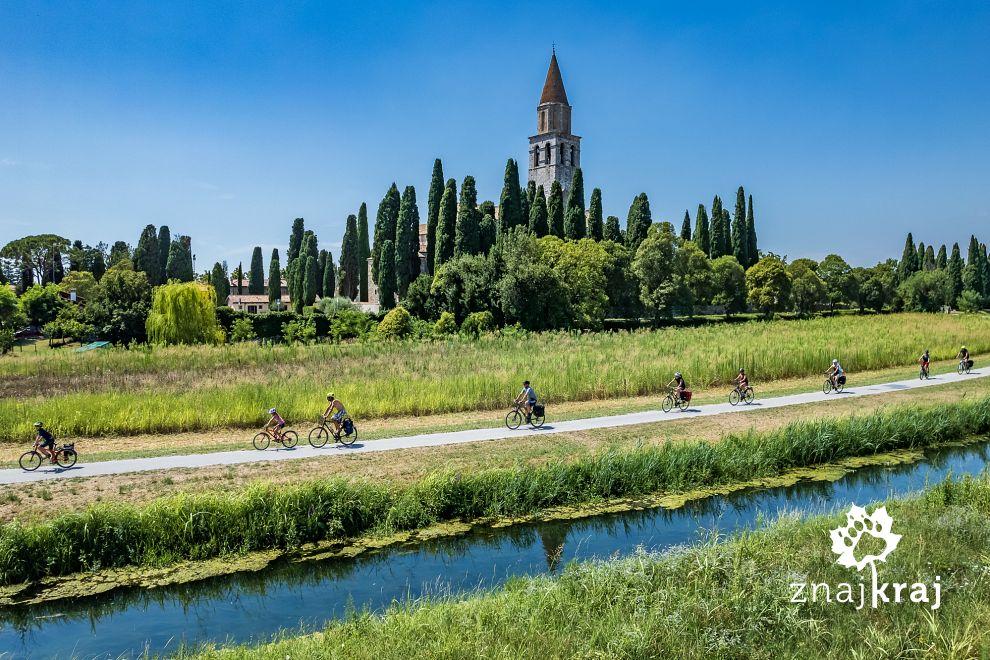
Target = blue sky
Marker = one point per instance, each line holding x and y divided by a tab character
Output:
850	123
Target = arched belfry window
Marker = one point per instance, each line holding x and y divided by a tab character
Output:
546	153
573	151
560	154
536	156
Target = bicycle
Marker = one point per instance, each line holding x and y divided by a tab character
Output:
516	416
675	399
836	387
923	372
746	395
320	435
263	440
964	367
64	456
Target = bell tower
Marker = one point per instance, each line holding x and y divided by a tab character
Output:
554	152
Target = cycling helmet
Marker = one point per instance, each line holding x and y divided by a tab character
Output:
677	374
526	383
741	370
834	361
38	425
330	396
271	411
963	348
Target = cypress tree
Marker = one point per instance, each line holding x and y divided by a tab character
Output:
446	224
986	269
312	280
929	258
239	278
147	256
510	202
467	239
739	240
164	246
220	283
942	259
256	281
909	258
58	265
349	281
385	222
364	252
921	256
973	271
638	221
574	220
118	252
718	231
555	210
274	278
487	233
686	226
612	231
702	236
752	249
596	221
526	202
538	222
432	216
75	258
99	267
726	224
407	242
179	261
487	207
312	276
386	275
297	292
295	239
329	279
321	267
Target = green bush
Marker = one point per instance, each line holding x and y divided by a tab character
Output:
242	329
299	331
969	301
6	341
446	324
350	324
396	324
477	323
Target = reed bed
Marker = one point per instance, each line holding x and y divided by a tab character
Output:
178	389
268	517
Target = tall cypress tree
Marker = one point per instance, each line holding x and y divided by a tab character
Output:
364	252
179	265
752	248
407	242
239	279
596	221
432	214
256	281
526	201
538	222
638	221
942	259
446	225
220	283
909	259
311	275
929	258
387	218
164	246
349	280
147	256
921	256
686	226
295	239
702	236
487	233
386	275
612	231
739	240
329	277
726	224
574	220
973	272
718	231
274	278
467	239
321	267
510	203
555	210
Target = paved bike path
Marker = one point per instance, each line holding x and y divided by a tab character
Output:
304	450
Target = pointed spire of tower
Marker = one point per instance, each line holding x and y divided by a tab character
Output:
553	88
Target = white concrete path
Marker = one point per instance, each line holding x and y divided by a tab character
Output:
304	450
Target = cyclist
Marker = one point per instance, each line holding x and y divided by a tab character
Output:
925	360
276	423
835	372
45	440
337	418
742	380
527	397
964	355
679	385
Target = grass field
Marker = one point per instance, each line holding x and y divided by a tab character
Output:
712	600
181	389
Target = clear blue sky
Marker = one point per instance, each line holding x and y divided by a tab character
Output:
850	123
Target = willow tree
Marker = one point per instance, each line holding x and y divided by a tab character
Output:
184	313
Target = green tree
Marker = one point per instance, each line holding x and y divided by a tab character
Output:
638	221
313	279
41	303
612	231
575	223
220	283
386	275
909	259
164	248
76	255
487	233
466	284
274	278
686	227
487	207
120	251
972	274
929	263
942	259
807	288
926	291
256	280
840	285
921	256
446	225
878	286
180	260
418	300
529	292
242	329
330	278
581	267
184	313
538	218
510	203
120	305
555	210
97	261
694	275
467	239
295	239
349	281
238	278
80	281
364	252
407	241
955	269
596	221
655	266
397	324
147	257
740	239
728	284
385	223
11	316
321	268
718	231
432	217
769	285
752	249
702	236
38	255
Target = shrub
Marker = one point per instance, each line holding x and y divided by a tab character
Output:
6	341
446	324
242	330
299	331
350	324
396	324
477	323
969	301
330	307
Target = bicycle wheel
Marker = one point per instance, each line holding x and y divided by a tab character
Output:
961	369
261	441
319	436
668	403
683	404
827	387
513	419
30	461
348	440
839	386
749	396
536	421
290	439
734	397
66	458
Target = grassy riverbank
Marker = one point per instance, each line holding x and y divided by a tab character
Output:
714	600
266	517
121	392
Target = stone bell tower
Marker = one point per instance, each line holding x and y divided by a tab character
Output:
554	152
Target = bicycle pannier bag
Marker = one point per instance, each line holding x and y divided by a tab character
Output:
538	410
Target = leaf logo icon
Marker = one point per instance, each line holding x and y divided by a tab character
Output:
858	522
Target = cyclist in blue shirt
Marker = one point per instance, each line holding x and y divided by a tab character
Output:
528	399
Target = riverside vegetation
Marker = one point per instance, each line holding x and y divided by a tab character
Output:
725	599
267	517
120	392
